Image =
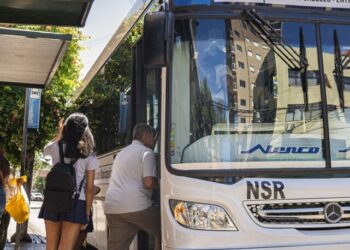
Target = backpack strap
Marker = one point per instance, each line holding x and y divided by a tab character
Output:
72	170
60	147
78	190
81	184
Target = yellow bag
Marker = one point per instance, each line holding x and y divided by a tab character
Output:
17	206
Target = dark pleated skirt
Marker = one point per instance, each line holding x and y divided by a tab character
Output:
76	215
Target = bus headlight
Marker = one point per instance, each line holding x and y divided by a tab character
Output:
201	216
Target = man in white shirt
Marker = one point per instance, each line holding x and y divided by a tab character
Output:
128	205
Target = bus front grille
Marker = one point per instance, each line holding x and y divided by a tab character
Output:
301	214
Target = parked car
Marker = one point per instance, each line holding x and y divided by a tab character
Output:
37	197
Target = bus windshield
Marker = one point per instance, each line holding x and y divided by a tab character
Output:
252	100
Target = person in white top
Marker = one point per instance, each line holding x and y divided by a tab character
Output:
128	205
63	228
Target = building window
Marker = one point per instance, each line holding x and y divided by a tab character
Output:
237	33
243	120
239	48
234	86
241	65
235	100
233	66
255	44
252	69
265	47
258	57
242	83
294	78
243	102
249	53
247	40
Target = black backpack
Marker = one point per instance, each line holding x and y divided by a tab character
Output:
61	186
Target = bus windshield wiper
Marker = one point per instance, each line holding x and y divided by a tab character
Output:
339	66
272	38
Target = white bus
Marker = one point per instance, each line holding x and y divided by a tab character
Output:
251	100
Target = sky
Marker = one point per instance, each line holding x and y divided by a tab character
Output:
103	20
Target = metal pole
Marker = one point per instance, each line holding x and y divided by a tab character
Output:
25	137
24	155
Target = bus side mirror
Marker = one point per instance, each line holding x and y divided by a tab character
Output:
158	38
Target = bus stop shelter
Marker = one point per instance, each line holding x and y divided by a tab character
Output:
29	58
45	12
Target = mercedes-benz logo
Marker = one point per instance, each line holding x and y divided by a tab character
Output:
333	212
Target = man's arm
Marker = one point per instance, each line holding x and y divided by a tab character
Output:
149	171
150	182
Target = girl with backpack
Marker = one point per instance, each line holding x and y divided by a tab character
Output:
72	148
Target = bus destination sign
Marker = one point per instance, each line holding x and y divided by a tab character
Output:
341	4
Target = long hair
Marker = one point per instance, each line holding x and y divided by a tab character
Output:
4	169
77	137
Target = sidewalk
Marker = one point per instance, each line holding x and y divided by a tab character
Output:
36	229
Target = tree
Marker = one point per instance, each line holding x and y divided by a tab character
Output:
56	103
41	168
102	94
